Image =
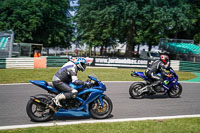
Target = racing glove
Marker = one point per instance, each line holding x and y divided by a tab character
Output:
88	84
169	75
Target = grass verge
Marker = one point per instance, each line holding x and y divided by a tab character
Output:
104	74
184	125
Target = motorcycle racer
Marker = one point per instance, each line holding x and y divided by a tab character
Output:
158	66
68	73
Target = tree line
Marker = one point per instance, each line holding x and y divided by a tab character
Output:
101	23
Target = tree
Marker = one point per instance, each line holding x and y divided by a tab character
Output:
194	32
93	23
132	21
20	16
57	27
38	21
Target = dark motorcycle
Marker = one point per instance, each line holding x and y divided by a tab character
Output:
170	86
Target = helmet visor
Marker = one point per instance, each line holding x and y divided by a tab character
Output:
83	65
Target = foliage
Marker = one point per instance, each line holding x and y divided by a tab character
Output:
93	23
21	17
101	23
166	18
132	22
194	32
38	21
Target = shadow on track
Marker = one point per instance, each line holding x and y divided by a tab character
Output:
155	97
59	118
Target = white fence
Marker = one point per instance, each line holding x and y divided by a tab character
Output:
20	63
175	64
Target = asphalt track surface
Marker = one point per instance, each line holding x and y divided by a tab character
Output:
13	99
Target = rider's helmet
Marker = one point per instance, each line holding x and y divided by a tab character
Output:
80	63
164	59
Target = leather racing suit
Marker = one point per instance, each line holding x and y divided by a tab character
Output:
154	68
67	73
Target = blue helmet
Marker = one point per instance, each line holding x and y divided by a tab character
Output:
81	63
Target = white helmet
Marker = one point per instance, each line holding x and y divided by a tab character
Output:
81	63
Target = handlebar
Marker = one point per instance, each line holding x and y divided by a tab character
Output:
92	78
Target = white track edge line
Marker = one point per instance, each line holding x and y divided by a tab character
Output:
96	121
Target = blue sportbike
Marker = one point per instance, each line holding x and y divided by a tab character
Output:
170	86
90	102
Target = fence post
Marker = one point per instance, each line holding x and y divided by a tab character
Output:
194	59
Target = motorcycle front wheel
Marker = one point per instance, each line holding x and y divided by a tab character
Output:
175	91
37	112
99	112
134	90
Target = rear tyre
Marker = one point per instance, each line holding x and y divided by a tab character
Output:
175	91
37	112
99	112
134	90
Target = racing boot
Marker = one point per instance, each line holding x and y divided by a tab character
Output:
57	99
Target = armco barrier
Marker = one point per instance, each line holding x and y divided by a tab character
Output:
56	61
2	63
20	63
188	66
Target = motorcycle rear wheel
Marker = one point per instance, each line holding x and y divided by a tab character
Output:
37	112
176	91
99	112
134	90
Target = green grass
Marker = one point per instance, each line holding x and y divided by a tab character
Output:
104	74
184	125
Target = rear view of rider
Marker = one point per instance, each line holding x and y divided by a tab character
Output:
157	66
68	73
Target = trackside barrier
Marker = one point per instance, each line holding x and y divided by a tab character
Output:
175	64
40	62
189	66
43	62
56	61
2	63
20	63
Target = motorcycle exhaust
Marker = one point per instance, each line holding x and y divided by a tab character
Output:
43	104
